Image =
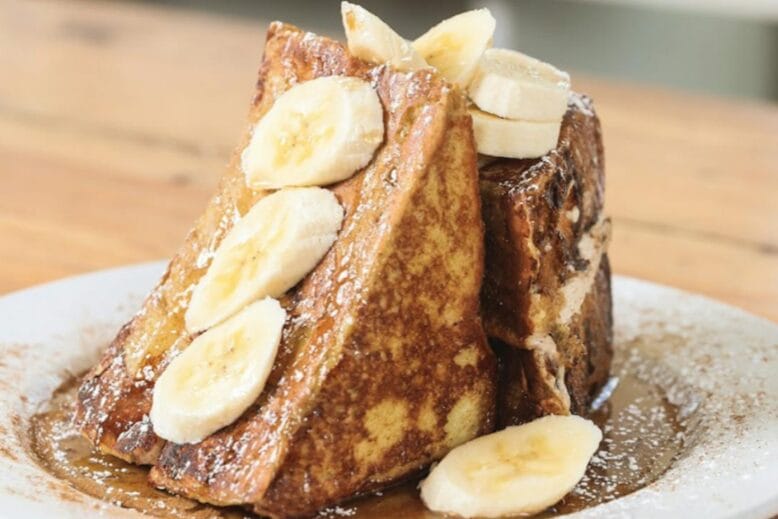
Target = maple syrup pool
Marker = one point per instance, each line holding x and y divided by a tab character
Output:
649	421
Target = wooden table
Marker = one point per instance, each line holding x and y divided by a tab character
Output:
116	121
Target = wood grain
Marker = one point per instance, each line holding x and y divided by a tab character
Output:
116	121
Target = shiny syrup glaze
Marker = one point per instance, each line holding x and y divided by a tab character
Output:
643	434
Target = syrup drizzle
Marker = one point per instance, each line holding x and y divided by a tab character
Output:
645	431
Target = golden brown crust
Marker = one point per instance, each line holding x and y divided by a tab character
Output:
537	212
434	245
384	365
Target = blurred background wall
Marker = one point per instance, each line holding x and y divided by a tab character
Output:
724	47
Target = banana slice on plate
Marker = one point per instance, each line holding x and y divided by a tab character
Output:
222	372
272	248
455	45
371	39
519	470
515	86
514	139
318	132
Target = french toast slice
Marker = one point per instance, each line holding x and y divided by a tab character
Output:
546	300
383	365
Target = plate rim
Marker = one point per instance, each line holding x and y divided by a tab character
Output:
153	269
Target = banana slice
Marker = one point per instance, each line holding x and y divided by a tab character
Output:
220	374
515	86
316	133
269	250
371	39
519	470
515	139
455	45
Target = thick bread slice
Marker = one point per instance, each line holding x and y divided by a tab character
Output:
546	300
384	365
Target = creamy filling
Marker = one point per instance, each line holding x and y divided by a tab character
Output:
555	381
591	247
573	214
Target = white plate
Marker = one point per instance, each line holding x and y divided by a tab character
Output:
728	358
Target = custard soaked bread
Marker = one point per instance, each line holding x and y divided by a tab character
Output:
350	356
383	365
546	298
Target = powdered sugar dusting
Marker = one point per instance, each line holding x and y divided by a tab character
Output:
716	365
703	373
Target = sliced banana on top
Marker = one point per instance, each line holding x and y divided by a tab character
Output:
519	470
272	248
500	137
455	45
515	86
222	372
318	132
371	39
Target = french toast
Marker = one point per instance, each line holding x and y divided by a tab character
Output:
546	300
383	366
